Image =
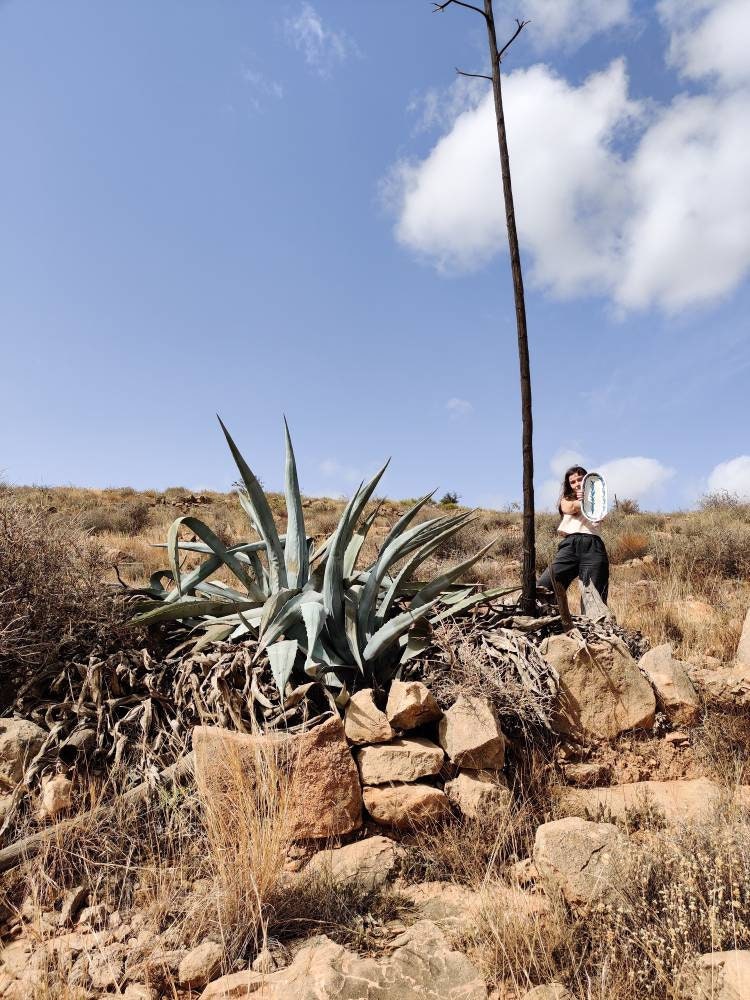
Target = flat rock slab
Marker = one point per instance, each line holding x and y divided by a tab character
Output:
678	801
457	908
579	857
407	759
370	862
325	798
422	967
406	807
602	691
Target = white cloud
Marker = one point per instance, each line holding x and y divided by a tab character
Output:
569	23
732	476
322	47
708	38
634	478
563	460
261	87
458	407
666	224
336	470
548	494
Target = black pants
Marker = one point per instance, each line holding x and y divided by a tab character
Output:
582	556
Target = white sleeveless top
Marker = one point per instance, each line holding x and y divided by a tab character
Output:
573	524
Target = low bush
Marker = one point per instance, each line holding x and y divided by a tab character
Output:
129	518
628	545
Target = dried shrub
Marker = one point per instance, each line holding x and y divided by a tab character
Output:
52	595
121	519
628	545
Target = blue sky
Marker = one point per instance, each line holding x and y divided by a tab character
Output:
260	209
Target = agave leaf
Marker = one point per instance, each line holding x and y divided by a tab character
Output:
216	632
219	589
433	589
355	545
333	578
416	640
189	608
260	514
351	608
314	616
274	604
408	568
295	551
405	520
389	633
286	618
469	602
281	656
401	546
218	548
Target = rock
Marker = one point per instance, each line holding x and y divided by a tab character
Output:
471	736
742	659
326	798
94	916
675	693
20	742
200	965
139	991
477	793
676	801
370	862
402	760
410	704
587	775
406	806
364	722
422	967
56	797
525	872
274	956
107	967
452	907
727	690
553	991
602	691
579	857
693	612
719	975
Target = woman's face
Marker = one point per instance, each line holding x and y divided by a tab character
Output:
575	479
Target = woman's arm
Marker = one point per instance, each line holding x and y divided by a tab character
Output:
570	506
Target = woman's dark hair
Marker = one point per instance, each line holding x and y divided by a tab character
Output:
566	490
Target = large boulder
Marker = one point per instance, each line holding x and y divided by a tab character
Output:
578	857
364	722
370	862
400	760
719	975
470	734
20	742
675	692
478	793
325	798
422	966
602	691
674	801
410	704
742	659
405	806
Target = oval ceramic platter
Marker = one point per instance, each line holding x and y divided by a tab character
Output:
594	497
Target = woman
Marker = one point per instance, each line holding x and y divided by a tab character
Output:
581	553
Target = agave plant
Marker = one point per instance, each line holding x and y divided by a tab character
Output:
314	614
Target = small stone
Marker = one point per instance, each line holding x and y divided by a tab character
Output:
587	775
406	806
72	903
94	916
56	797
401	760
370	862
742	659
677	737
525	872
552	991
410	704
200	965
139	991
471	736
107	967
20	742
479	793
364	722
